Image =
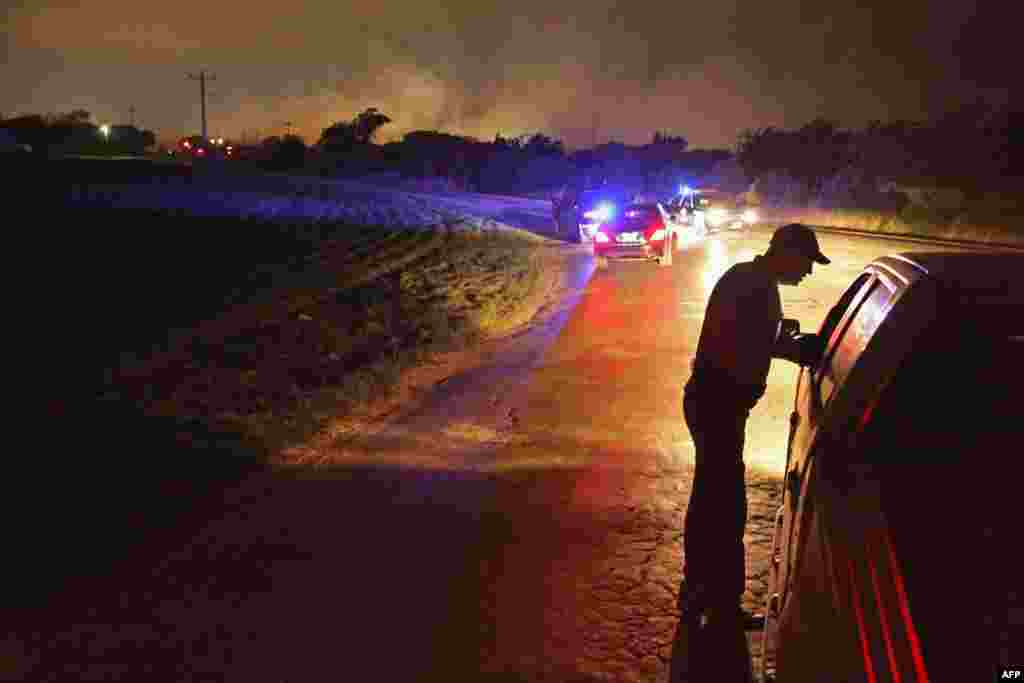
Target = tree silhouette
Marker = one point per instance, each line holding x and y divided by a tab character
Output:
367	123
345	135
288	153
125	139
542	145
672	141
338	136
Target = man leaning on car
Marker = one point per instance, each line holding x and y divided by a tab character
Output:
743	330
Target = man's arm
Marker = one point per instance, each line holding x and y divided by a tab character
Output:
802	349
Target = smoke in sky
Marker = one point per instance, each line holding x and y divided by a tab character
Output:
579	70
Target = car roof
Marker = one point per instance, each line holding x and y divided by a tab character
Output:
966	271
984	289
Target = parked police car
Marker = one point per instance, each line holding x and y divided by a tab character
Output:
636	231
710	209
897	544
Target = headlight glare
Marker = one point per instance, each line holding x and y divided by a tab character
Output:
601	214
717	216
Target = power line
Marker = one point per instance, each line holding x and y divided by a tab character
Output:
202	78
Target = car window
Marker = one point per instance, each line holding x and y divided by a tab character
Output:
869	315
868	309
831	321
830	331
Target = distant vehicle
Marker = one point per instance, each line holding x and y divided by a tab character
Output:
196	147
900	513
636	231
710	209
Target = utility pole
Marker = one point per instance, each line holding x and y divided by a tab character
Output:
131	115
202	78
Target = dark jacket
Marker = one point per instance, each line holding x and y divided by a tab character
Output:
738	338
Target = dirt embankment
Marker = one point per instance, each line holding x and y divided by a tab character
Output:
361	308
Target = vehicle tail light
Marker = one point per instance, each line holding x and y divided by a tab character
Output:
601	237
866	417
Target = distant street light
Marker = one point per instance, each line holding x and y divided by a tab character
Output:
105	131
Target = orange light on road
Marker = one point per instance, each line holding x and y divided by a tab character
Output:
717	264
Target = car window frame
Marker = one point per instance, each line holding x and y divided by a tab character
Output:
855	288
870	327
880	283
822	372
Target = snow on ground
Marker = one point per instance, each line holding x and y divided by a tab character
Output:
322	200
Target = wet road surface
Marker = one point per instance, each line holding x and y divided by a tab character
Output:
520	521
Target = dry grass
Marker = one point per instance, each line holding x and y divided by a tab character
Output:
337	330
977	221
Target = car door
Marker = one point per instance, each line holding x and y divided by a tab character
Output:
923	617
803	426
813	577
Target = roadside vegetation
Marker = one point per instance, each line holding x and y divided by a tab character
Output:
990	219
958	176
331	326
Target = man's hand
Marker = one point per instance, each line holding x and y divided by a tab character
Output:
802	349
810	347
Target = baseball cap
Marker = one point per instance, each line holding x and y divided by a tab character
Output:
798	237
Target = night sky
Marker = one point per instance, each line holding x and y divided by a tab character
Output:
702	70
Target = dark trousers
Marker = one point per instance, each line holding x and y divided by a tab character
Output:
714	570
715	559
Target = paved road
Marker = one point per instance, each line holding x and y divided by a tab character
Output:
518	521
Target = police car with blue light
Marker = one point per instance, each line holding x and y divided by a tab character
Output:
709	209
